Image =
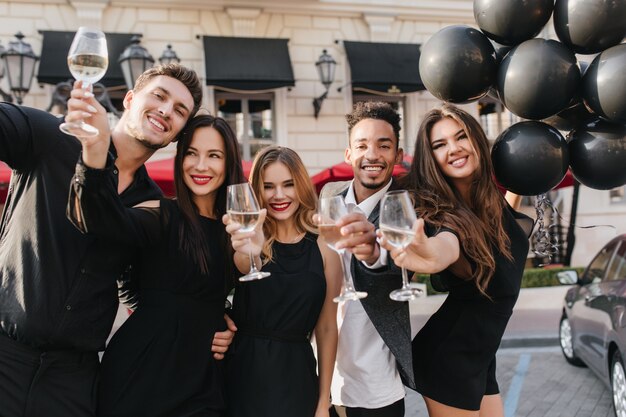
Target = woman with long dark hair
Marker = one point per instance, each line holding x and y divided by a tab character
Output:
478	254
159	363
270	367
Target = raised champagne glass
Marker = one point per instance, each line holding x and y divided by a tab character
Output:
243	208
88	60
331	209
397	217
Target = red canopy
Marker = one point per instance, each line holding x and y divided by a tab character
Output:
5	179
343	172
162	172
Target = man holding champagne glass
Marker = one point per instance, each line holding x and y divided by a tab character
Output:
374	351
58	292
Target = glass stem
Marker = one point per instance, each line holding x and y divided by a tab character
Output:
346	257
252	263
405	279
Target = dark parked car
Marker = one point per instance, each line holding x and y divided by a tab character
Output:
593	325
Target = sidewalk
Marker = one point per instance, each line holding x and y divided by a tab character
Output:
534	323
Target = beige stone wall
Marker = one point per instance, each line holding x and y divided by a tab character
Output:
320	141
311	27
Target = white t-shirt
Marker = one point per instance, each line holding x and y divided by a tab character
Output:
365	374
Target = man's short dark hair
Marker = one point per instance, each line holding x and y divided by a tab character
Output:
379	110
183	74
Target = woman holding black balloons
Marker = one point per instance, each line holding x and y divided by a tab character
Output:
478	252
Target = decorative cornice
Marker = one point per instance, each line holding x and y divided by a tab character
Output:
380	26
244	20
89	12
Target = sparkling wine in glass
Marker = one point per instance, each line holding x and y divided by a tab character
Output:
397	216
331	209
88	60
243	208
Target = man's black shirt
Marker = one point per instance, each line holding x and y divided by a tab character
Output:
58	287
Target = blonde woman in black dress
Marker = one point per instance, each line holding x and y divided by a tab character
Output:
478	252
270	367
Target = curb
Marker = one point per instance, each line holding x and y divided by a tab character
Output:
531	341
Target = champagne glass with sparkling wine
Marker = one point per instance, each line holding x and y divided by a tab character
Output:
243	208
332	209
88	60
397	217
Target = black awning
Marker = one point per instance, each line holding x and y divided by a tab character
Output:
384	67
55	46
247	63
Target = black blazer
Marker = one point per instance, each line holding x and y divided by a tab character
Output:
390	318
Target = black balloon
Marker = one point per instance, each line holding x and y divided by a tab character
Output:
576	114
590	26
510	22
530	158
604	84
458	64
538	78
598	155
571	118
501	50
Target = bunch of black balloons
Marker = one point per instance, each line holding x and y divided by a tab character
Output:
541	80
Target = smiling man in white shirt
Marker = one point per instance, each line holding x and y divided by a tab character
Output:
374	350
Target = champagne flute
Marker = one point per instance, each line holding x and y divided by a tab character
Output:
243	208
331	209
88	60
397	217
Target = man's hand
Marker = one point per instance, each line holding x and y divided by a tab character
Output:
222	340
83	107
359	237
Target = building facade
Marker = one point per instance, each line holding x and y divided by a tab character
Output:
282	111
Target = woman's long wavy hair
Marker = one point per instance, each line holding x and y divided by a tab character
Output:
478	222
192	239
304	191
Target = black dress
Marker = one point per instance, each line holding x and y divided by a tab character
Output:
454	354
159	363
270	367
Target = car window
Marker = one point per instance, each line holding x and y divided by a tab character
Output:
597	267
617	269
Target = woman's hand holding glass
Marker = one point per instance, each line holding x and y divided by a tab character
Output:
243	209
246	242
397	220
423	254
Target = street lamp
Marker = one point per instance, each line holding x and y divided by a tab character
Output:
134	61
5	96
168	56
19	64
326	70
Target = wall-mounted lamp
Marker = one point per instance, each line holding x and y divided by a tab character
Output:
134	61
169	56
5	96
19	62
326	70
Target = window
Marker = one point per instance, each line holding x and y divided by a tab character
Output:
597	268
618	195
251	118
617	270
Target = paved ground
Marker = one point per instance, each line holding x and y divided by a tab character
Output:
537	382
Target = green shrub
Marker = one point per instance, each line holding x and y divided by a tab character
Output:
533	277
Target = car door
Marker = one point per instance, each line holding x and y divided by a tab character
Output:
616	274
590	312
